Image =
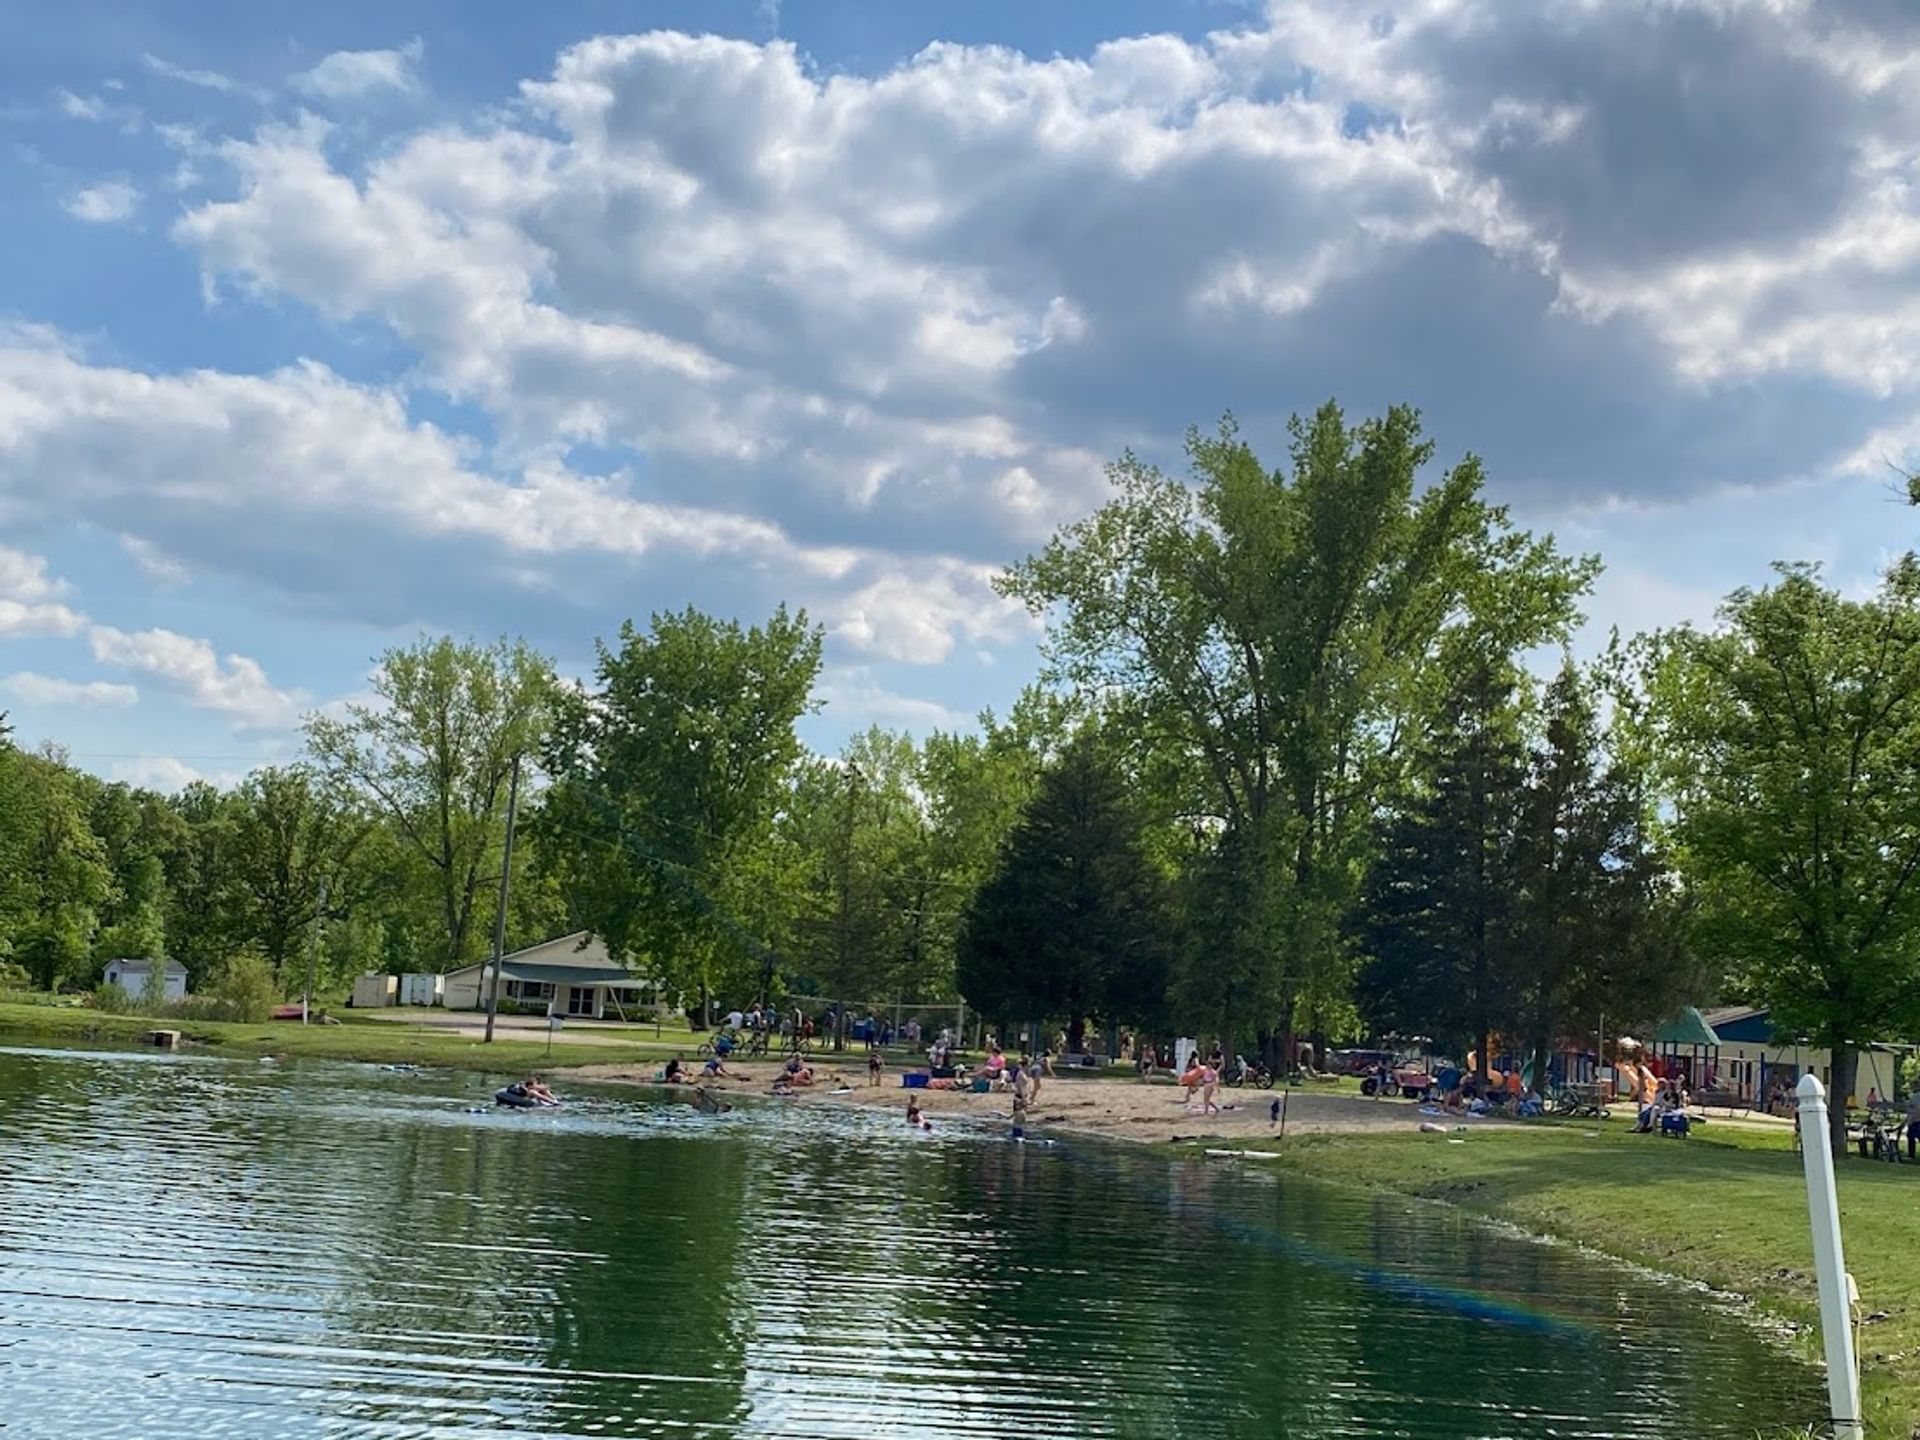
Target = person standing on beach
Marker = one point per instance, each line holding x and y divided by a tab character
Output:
1209	1087
1022	1092
874	1067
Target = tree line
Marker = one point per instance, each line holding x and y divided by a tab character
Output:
1307	757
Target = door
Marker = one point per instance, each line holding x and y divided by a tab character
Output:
580	1000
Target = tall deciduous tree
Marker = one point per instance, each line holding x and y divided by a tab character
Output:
1793	746
1269	633
434	754
666	782
1075	922
294	834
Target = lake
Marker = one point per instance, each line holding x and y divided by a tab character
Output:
207	1248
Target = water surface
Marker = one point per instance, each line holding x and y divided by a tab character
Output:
202	1248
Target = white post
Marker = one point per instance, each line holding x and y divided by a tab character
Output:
1829	1262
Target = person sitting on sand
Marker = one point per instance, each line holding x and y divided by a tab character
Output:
675	1073
714	1067
996	1062
797	1072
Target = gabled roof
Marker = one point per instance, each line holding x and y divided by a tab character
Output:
1720	1015
577	959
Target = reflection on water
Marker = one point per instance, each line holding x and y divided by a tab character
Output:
199	1248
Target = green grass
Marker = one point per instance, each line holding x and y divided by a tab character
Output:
379	1042
1727	1207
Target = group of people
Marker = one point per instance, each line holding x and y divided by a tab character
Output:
1660	1103
1202	1076
1018	1077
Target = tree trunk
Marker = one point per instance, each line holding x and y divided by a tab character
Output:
1483	1066
1846	1064
1076	1034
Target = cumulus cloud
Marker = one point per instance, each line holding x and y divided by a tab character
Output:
153	562
103	203
30	599
854	699
31	688
735	328
349	74
233	685
168	774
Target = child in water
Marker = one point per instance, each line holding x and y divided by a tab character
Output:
914	1117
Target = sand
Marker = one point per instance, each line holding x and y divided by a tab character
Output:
1119	1107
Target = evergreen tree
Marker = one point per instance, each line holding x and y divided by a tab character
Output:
1075	922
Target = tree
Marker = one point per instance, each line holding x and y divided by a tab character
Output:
434	755
1602	919
1075	922
55	878
1269	635
294	837
1792	747
1440	919
666	783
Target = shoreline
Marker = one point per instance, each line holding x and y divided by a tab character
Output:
1590	1185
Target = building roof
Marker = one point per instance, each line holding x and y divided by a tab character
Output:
1719	1015
172	967
1689	1027
577	959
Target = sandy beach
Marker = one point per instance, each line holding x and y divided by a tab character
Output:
1120	1106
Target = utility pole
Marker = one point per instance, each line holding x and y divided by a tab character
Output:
313	953
500	911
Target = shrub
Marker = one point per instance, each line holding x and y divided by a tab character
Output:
111	999
247	988
14	976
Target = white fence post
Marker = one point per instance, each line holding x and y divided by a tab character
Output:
1829	1262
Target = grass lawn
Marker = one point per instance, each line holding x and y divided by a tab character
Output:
377	1041
1727	1207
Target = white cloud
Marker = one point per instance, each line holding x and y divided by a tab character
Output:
854	700
153	562
168	774
349	74
31	688
82	107
30	601
103	203
235	685
200	79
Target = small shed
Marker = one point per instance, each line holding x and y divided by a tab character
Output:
375	992
420	989
132	976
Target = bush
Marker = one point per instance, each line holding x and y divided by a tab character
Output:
110	999
14	976
247	988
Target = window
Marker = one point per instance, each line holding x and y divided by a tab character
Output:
580	1000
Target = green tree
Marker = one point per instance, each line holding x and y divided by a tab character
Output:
200	920
434	756
1075	922
1267	635
1439	922
55	878
1792	746
1601	914
660	818
294	834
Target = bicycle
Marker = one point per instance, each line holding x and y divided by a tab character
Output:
711	1045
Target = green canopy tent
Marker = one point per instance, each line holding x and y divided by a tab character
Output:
1688	1044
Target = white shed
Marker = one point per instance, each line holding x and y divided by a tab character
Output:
131	976
420	989
374	992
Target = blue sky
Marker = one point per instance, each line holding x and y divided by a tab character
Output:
324	326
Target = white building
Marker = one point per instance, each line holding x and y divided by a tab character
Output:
132	975
573	976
